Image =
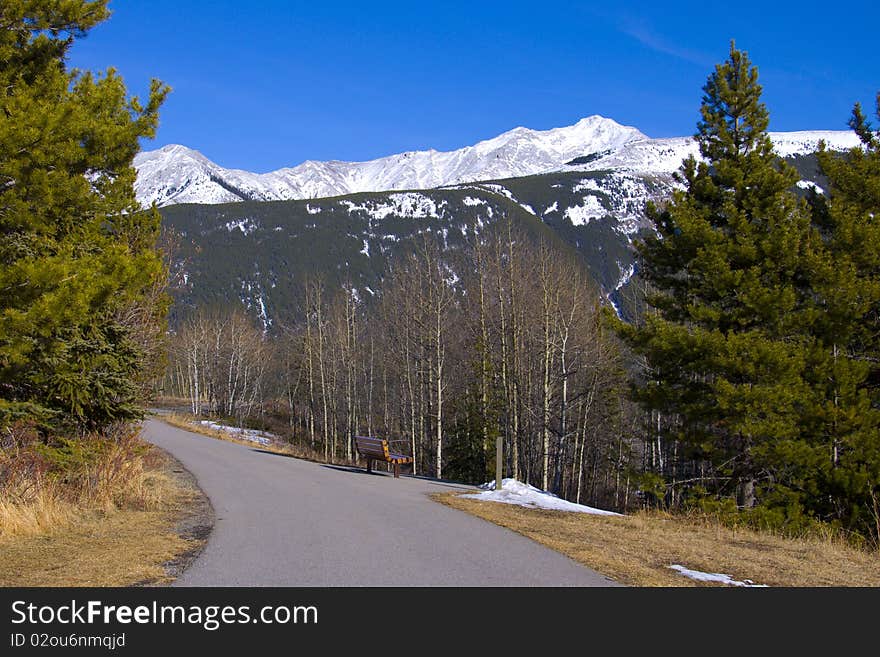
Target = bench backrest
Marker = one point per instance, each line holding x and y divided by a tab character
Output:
374	447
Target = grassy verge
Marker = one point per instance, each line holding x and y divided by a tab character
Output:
305	452
191	424
638	549
99	512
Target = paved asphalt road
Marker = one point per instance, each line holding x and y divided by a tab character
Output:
287	522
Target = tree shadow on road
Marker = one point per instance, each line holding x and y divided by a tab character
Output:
287	456
362	471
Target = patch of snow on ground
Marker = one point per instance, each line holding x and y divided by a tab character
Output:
312	210
407	204
246	225
809	184
251	296
625	275
264	316
552	208
452	278
498	189
251	435
807	141
721	578
586	185
470	200
581	215
615	306
516	492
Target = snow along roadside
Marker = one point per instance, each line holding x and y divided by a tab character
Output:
721	578
250	435
516	492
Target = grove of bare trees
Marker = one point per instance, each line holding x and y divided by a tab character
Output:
502	339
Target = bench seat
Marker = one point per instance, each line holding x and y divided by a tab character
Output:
376	449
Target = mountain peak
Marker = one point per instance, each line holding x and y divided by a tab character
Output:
595	119
592	123
170	152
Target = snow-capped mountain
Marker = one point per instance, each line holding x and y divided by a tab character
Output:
176	174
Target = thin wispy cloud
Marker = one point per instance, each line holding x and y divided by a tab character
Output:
638	28
650	39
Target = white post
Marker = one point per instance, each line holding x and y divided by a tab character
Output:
499	462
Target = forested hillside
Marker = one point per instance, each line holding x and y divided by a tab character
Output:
261	253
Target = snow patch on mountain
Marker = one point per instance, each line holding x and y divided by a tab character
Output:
587	185
625	275
787	144
808	185
581	215
506	193
410	204
253	297
246	225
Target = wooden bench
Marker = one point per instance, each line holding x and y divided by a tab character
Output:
376	449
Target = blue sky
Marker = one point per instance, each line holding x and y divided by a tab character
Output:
268	84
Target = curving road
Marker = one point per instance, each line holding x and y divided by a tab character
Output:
282	521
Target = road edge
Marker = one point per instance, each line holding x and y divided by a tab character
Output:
195	524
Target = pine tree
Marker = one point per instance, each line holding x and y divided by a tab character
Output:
846	366
725	347
77	252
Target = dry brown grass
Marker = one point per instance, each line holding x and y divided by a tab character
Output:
191	424
638	549
43	511
101	549
37	503
111	523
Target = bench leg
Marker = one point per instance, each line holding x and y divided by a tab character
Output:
369	466
397	470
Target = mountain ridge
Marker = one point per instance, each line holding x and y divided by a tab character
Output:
176	174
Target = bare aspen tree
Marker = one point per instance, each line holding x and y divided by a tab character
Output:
318	301
515	350
549	295
438	298
310	366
